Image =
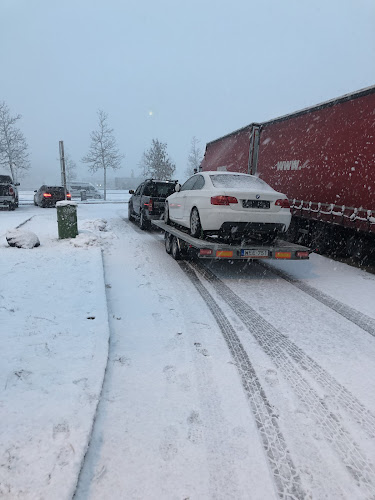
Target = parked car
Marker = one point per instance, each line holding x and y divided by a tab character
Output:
76	187
148	201
230	205
47	196
8	192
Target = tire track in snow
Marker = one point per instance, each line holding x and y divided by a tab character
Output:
362	320
281	350
285	475
338	392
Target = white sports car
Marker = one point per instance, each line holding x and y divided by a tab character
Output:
229	204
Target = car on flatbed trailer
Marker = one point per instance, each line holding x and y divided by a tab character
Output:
229	204
181	245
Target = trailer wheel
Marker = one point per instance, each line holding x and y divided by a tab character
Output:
195	224
168	242
176	254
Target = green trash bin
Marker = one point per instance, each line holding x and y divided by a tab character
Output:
67	219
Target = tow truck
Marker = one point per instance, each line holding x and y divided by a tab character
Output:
182	246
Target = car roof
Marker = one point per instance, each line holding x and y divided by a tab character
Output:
224	172
159	180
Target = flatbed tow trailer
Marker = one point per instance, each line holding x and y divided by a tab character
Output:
181	245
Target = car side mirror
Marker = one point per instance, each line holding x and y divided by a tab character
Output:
177	187
131	191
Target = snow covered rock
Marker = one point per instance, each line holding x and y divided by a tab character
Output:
22	239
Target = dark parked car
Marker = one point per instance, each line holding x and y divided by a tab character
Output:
47	196
8	192
148	200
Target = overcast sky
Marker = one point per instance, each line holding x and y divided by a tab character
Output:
171	69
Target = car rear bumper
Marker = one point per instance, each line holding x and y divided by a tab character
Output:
154	216
252	228
7	200
249	222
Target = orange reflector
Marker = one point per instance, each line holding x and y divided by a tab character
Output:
205	251
302	254
283	255
224	253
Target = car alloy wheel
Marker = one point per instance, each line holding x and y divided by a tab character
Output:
195	224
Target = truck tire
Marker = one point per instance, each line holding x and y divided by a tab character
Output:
168	242
195	224
143	222
130	213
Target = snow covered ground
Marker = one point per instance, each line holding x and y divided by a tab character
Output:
231	380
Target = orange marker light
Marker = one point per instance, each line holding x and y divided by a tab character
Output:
283	255
224	253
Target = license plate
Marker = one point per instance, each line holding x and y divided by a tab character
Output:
254	253
255	204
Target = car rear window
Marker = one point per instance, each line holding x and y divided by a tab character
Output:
159	190
5	179
55	189
239	181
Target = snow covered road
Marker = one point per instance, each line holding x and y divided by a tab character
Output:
230	380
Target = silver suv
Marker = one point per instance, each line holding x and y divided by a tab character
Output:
8	192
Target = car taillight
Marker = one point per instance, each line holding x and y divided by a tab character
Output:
68	195
223	200
11	191
302	254
47	195
150	205
205	251
283	203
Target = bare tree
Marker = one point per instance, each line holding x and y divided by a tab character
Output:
194	158
103	152
70	169
156	163
13	146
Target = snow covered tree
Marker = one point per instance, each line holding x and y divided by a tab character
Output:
194	158
103	152
156	162
13	146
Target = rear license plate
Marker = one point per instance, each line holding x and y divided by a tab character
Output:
254	253
255	204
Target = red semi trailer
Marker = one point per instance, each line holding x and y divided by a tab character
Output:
323	158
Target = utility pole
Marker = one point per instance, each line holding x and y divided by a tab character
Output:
62	166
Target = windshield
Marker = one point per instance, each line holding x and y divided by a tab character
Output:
239	182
